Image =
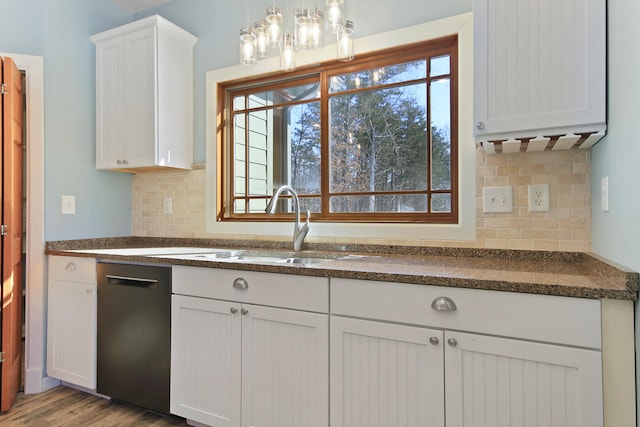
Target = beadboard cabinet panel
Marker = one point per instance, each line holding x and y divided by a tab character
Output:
71	320
504	382
285	368
144	96
385	375
539	68
205	361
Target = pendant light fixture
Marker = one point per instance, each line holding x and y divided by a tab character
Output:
247	44
259	29
302	33
287	48
287	53
248	54
334	14
316	36
274	26
345	42
304	29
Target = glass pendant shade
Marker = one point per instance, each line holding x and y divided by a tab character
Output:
247	47
345	42
305	29
302	36
287	53
334	14
274	26
259	30
316	22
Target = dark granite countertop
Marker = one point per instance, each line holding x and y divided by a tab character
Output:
573	274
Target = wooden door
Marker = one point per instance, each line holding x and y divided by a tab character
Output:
285	367
504	382
385	375
12	267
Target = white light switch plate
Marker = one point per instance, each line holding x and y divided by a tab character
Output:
68	205
167	206
497	199
604	187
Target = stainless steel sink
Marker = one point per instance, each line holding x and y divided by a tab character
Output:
259	256
157	251
254	256
307	260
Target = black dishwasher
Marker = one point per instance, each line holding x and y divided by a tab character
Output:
134	334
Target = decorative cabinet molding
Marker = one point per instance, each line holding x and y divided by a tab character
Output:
539	74
144	96
71	320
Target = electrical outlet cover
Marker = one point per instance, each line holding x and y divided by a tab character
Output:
497	199
539	198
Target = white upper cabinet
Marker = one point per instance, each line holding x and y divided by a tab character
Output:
539	73
144	96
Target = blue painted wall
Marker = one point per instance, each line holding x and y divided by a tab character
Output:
616	233
59	31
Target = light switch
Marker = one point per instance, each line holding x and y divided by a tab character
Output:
167	206
604	188
68	205
497	199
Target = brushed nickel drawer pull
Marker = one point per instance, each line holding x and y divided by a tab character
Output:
240	283
444	304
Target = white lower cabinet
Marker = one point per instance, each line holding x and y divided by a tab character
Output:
406	363
500	382
240	364
71	320
385	375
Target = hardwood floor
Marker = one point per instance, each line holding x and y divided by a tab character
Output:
63	406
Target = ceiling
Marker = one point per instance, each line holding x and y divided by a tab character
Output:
138	5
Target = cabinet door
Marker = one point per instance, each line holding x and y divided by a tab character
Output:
141	83
385	375
539	67
501	382
126	91
285	371
71	332
111	103
205	360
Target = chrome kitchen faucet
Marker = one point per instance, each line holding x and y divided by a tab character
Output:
299	232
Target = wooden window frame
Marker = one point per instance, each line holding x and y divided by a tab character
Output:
423	50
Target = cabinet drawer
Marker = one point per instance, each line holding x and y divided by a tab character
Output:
278	290
72	269
546	318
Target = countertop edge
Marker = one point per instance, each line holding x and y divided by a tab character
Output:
626	279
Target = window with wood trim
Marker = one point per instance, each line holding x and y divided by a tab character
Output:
372	140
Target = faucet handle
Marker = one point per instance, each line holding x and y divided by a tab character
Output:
308	219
